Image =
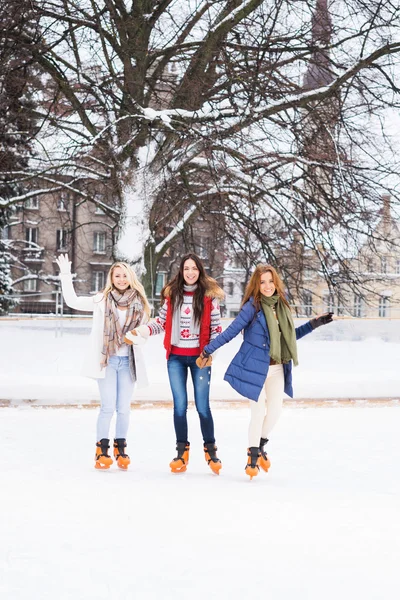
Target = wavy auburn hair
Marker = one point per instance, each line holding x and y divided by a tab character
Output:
134	284
175	287
253	287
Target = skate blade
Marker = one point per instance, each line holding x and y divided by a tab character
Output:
252	473
101	466
265	464
182	469
215	467
123	467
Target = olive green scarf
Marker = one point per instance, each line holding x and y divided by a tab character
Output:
283	346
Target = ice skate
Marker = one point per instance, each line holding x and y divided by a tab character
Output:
123	460
179	464
103	460
213	461
264	462
252	469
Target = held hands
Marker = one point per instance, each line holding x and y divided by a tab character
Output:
137	336
322	320
204	360
134	338
64	264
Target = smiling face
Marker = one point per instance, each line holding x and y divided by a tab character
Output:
119	279
267	287
190	272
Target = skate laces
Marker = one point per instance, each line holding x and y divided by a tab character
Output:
212	452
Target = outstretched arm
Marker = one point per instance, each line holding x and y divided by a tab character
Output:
308	327
84	303
140	334
241	321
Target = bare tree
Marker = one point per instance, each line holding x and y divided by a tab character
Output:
209	99
17	125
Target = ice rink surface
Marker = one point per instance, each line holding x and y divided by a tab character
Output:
323	523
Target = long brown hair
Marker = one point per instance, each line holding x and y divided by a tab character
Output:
175	287
253	287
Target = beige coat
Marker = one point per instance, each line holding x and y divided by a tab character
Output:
96	304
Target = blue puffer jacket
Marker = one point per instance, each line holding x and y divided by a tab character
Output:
248	370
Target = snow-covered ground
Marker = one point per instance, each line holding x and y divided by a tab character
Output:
323	524
40	361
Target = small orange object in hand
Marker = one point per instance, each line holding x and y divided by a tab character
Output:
204	360
127	340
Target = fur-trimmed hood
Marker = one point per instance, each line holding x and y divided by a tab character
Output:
213	290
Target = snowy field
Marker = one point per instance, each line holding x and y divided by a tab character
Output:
323	524
40	361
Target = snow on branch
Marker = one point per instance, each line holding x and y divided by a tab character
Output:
177	229
23	197
232	17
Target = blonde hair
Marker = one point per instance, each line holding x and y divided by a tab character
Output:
253	287
133	282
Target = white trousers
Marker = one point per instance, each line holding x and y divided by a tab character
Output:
267	410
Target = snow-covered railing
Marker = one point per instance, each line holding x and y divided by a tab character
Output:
31	304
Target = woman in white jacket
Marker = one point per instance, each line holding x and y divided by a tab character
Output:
116	365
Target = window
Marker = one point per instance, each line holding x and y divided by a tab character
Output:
99	242
32	235
398	267
32	203
238	262
98	198
5	233
357	308
98	281
62	201
202	247
308	273
384	305
229	287
307	302
62	241
384	264
329	301
30	285
160	282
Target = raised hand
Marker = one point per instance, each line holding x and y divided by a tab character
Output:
322	320
64	264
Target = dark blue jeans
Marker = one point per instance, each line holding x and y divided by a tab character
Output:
178	367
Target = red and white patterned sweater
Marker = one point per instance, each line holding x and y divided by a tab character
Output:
189	344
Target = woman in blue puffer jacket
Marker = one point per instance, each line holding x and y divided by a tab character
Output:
265	357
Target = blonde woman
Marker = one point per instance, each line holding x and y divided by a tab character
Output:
120	307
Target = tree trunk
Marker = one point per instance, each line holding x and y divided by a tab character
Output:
149	277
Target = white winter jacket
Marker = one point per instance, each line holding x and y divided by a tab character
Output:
96	304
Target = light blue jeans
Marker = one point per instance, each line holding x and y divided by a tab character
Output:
116	391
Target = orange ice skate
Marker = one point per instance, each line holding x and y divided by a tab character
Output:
252	469
123	460
211	457
264	463
179	464
103	461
